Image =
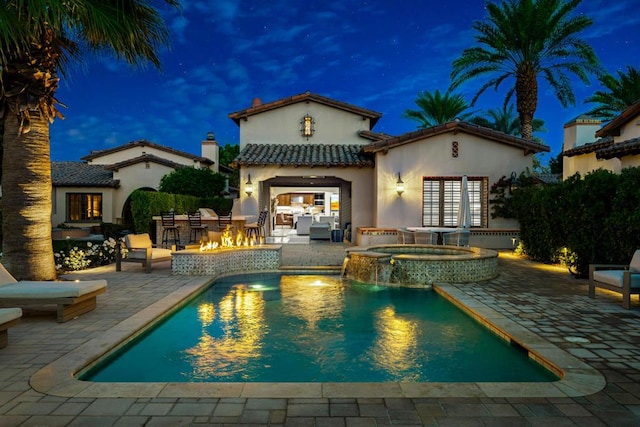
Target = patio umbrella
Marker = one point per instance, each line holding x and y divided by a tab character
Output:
464	210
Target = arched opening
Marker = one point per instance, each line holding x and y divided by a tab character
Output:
127	213
303	200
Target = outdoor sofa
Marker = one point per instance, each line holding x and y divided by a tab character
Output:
71	298
623	279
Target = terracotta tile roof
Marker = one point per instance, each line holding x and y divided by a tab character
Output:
304	155
589	147
613	127
548	178
143	159
374	136
79	174
630	147
144	143
455	127
305	97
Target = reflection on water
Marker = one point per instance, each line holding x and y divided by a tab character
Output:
288	328
317	298
395	349
241	323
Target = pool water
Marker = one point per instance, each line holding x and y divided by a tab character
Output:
304	328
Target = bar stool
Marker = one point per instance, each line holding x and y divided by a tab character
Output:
197	231
169	228
256	229
224	222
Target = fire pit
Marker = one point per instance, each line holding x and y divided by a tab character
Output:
231	254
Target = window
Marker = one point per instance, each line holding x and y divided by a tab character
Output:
441	199
84	207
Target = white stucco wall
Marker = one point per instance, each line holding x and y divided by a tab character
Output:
629	131
134	177
282	126
580	132
433	157
586	163
137	151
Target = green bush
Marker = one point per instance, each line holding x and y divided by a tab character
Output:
194	182
581	221
147	204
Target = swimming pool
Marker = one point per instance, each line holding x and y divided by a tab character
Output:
291	328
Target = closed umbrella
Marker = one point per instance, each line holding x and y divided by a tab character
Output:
464	210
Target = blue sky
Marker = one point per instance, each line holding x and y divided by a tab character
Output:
374	54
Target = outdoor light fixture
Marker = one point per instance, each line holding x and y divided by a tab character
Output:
399	185
513	182
307	126
248	187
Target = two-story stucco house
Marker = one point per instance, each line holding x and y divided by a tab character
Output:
308	144
589	146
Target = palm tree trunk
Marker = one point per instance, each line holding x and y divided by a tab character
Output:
527	99
26	200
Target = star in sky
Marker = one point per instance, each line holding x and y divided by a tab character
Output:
376	55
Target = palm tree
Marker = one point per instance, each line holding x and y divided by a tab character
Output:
527	39
437	108
622	92
38	38
505	120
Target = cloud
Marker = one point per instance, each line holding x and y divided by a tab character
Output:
178	26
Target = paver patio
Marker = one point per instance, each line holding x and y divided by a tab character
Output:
544	299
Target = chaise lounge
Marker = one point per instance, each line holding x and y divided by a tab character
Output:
71	298
8	317
623	279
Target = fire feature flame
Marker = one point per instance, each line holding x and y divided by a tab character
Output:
228	241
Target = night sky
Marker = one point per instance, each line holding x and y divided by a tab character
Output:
374	54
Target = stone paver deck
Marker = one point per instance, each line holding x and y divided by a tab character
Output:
544	300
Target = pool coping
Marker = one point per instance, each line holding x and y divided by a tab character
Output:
59	377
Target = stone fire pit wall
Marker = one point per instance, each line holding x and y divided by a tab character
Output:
193	262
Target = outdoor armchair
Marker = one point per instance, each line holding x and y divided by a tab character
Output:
623	279
140	249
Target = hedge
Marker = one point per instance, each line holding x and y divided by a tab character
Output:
146	204
594	220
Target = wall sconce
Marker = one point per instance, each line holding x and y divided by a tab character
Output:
307	126
399	185
513	182
248	187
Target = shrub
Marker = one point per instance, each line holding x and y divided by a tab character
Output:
79	257
581	221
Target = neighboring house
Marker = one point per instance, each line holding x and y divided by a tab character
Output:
614	146
99	189
310	143
580	148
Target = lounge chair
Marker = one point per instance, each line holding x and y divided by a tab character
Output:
141	250
623	279
71	298
8	317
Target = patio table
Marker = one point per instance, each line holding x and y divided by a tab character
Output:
440	231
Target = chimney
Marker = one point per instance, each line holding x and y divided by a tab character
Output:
256	102
211	151
580	131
